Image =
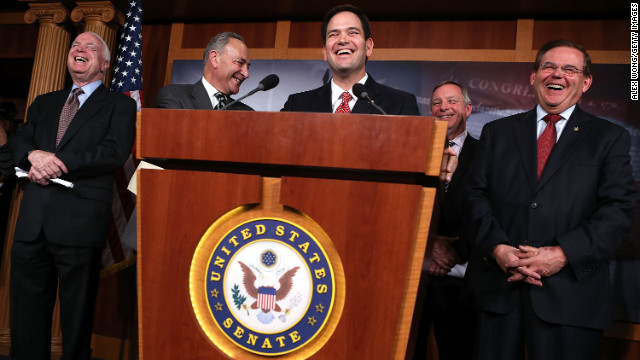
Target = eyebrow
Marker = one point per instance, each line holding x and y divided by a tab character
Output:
87	44
348	28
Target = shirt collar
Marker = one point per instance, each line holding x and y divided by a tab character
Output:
211	90
459	141
87	91
336	92
540	113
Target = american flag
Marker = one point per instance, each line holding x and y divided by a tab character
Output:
127	78
127	73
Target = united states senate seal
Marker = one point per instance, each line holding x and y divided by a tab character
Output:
269	285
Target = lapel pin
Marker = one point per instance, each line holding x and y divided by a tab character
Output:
576	128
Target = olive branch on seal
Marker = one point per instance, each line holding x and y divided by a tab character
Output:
238	299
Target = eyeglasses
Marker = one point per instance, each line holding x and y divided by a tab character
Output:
239	62
566	70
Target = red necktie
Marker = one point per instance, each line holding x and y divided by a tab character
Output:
547	140
343	108
69	110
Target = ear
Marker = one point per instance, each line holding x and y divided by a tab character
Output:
586	83
369	45
214	58
468	108
532	78
324	52
104	66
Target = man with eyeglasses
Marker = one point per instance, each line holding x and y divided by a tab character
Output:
551	199
226	67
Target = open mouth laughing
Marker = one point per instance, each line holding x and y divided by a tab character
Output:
344	52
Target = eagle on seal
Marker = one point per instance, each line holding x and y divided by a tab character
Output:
268	292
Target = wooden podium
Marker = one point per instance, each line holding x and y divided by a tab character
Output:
367	180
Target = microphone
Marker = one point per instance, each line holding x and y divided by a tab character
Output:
268	83
360	91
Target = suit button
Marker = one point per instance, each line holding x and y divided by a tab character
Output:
534	205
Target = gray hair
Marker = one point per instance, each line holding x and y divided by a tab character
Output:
218	42
463	89
105	52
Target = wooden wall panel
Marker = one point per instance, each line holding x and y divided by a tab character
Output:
305	35
18	41
610	35
154	52
421	34
256	35
445	34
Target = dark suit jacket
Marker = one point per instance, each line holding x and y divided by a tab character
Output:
393	101
190	96
584	202
98	142
453	215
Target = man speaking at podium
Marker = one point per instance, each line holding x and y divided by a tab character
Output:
81	135
346	35
226	67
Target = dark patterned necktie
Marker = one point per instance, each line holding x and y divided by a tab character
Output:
547	140
343	108
69	110
222	100
447	184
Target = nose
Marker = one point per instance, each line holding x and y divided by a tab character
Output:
343	38
557	72
244	70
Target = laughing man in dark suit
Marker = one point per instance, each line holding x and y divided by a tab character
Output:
60	231
226	67
346	35
450	247
539	273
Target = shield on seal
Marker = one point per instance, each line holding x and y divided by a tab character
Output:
266	298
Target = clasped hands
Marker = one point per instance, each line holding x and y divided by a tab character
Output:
44	166
528	263
443	255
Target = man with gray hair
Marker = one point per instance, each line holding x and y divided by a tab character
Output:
80	135
226	66
450	246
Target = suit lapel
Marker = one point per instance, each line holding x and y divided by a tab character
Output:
49	139
92	105
200	97
362	107
322	100
464	161
524	134
576	128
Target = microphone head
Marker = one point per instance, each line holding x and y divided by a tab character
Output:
269	82
360	91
